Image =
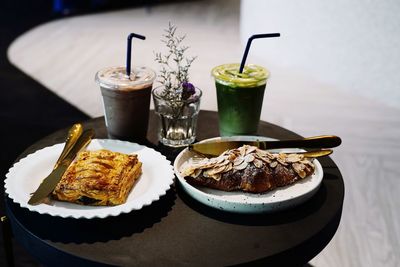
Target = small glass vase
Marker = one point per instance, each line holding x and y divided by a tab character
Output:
178	118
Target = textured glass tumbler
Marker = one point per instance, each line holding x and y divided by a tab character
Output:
177	118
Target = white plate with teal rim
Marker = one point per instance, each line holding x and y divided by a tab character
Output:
26	175
240	202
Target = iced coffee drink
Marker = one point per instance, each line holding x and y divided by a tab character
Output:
126	101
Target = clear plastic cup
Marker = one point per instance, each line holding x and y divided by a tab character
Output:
239	97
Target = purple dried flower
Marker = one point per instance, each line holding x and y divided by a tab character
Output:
188	90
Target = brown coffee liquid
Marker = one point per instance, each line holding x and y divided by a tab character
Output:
127	113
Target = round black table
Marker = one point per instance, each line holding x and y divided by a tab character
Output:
179	231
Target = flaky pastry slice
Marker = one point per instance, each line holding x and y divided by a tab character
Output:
101	178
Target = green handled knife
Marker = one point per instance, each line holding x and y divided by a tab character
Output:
51	181
215	148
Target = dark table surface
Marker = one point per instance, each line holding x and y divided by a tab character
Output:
177	230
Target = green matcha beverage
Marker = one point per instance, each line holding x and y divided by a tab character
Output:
240	97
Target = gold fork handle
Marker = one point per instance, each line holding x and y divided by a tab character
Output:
317	153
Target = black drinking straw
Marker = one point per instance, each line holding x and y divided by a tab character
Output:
129	51
246	51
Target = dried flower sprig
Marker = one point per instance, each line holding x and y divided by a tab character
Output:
174	73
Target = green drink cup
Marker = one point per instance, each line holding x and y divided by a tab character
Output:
240	97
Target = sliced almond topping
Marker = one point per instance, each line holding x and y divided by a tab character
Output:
187	172
220	159
187	169
216	176
249	158
241	166
205	174
232	157
216	170
294	158
261	153
299	169
258	163
262	157
196	173
282	161
270	155
238	161
302	174
242	150
266	160
282	156
228	167
250	149
273	164
226	161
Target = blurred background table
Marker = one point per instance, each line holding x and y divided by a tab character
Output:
177	230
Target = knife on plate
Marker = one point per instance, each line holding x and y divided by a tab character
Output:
73	134
50	182
215	148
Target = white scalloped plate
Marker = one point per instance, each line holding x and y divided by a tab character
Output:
26	175
240	202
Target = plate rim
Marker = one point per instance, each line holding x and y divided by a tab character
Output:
113	211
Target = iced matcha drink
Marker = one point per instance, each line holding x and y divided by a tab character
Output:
126	101
240	98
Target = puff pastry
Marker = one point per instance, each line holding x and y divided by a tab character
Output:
99	178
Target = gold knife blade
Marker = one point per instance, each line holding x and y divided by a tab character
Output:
50	182
215	148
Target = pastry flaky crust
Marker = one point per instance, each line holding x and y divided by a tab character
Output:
247	169
101	178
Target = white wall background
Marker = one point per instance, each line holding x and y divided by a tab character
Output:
351	45
335	71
